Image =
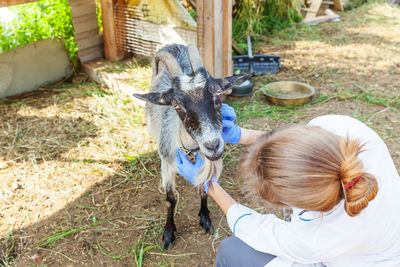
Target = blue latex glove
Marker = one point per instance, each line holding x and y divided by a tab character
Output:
231	133
189	170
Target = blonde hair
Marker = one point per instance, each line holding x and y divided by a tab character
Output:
308	168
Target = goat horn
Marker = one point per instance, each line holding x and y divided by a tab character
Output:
195	58
169	61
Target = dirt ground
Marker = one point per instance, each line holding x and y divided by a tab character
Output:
80	172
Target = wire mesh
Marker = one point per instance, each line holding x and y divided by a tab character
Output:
143	31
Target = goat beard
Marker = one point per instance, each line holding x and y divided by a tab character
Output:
210	169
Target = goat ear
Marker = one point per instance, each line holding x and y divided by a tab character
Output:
158	98
228	83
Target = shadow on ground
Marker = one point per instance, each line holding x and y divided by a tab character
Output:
113	220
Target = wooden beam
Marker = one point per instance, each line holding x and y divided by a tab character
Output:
214	36
200	28
218	36
227	38
208	36
112	52
238	48
312	10
6	3
320	19
338	5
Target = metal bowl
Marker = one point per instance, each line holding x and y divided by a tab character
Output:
288	93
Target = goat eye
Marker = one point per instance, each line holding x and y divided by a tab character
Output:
219	92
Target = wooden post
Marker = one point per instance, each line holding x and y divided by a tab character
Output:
214	36
338	5
110	43
227	38
200	23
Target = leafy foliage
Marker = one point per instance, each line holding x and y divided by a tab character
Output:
98	16
263	17
352	4
38	21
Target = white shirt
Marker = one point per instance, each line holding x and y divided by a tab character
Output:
371	238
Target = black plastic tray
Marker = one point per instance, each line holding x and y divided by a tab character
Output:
259	64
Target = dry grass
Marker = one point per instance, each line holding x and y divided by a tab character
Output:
57	143
326	54
80	172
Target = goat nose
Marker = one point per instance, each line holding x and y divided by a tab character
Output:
212	145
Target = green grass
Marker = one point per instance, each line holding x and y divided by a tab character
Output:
7	255
139	163
250	109
256	107
140	250
260	18
370	97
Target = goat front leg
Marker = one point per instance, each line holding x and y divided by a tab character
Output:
168	183
169	228
204	213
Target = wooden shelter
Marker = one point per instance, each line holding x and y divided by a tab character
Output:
214	32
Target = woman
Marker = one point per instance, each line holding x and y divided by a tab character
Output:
337	176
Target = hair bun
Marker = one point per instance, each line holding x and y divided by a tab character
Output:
358	187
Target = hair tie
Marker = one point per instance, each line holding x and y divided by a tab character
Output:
352	183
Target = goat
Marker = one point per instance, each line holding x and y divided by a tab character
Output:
183	110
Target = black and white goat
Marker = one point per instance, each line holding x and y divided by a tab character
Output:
183	110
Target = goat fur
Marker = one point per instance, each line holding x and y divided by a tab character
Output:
166	127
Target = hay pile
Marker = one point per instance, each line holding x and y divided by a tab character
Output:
57	143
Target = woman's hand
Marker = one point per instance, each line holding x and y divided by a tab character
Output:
231	133
190	170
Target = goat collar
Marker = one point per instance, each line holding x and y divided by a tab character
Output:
190	153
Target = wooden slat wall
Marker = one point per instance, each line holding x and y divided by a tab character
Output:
6	3
90	43
214	36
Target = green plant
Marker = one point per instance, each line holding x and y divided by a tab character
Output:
37	21
280	14
248	18
139	251
193	13
98	15
352	4
262	17
9	247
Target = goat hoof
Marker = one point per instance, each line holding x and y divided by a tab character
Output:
167	246
205	223
209	230
168	239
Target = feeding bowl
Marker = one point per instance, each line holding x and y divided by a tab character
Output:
287	93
